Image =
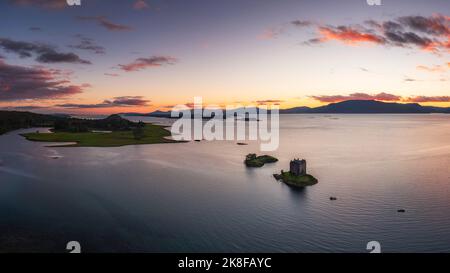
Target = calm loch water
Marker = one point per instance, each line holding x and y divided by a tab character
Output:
199	197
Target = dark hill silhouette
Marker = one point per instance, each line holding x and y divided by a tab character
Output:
370	107
351	107
111	123
13	120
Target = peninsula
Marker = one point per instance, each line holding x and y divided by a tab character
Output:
113	131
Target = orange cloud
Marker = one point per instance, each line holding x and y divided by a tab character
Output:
268	34
271	33
348	35
418	99
430	34
140	5
435	68
264	102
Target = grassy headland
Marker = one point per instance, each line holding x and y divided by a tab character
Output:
112	131
152	134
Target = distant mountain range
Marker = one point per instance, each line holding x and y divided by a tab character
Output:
368	107
12	120
345	107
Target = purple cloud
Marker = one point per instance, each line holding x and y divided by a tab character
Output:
143	63
426	33
105	23
44	53
140	5
48	4
88	44
20	83
125	101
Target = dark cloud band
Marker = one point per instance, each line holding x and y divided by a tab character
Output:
125	101
427	33
143	63
20	83
44	53
105	23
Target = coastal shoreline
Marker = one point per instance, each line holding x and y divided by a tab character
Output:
154	134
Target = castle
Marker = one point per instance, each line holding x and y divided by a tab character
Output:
297	167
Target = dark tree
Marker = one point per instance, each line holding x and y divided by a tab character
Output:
138	131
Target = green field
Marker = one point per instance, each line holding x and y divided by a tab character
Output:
152	134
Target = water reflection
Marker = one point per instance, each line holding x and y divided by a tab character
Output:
200	197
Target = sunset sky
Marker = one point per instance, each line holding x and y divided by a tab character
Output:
139	56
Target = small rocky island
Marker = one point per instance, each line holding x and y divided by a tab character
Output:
296	176
251	160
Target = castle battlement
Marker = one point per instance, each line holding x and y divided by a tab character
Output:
298	167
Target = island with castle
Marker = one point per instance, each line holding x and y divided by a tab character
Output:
297	175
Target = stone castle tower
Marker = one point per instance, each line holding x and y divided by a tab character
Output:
297	167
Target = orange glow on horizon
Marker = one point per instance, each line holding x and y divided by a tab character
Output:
283	104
